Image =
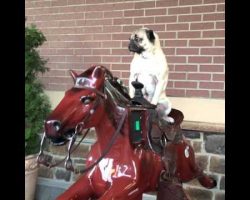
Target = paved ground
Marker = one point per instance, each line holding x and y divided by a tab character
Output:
49	190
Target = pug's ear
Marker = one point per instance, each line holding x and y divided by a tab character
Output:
150	35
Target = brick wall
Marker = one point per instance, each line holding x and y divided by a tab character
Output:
209	150
84	32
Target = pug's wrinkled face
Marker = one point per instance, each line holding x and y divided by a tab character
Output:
141	40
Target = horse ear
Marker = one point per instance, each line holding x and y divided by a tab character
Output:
98	72
73	74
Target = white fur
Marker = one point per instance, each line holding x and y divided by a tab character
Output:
151	69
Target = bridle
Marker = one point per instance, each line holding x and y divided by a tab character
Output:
41	158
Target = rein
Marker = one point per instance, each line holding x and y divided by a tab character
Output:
41	158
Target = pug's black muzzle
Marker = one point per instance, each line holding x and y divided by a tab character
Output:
135	47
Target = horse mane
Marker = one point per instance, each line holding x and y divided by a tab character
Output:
117	94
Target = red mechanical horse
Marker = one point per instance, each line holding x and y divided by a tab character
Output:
119	166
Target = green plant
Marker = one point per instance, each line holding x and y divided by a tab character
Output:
37	105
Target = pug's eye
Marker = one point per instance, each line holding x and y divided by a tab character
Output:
137	39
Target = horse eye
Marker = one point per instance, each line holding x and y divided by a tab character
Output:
86	99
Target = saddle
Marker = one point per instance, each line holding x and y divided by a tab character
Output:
146	125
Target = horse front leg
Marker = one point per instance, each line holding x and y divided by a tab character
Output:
80	190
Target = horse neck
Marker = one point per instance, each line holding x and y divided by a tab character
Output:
105	130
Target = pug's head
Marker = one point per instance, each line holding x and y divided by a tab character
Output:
142	40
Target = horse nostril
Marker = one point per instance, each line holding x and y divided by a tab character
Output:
56	125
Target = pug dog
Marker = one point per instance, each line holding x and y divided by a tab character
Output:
149	66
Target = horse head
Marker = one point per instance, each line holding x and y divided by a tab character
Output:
78	106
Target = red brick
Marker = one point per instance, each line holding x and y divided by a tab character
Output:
211	34
197	93
175	43
125	44
53	58
186	68
188	2
101	51
219	42
143	20
211	68
218	94
120	52
175	92
102	36
171	67
211	85
97	22
166	3
220	25
71	9
154	12
172	27
220	7
116	73
57	87
54	73
167	35
120	36
198	76
148	4
83	51
185	84
170	84
93	15
176	59
133	13
91	44
157	28
111	59
47	51
112	29
218	77
187	51
219	59
213	51
130	28
96	7
120	67
213	1
92	29
200	42
199	59
203	9
165	19
189	18
179	10
213	16
189	34
64	51
109	44
200	26
77	2
125	74
92	59
177	76
59	3
74	58
127	59
113	14
169	51
120	21
93	1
